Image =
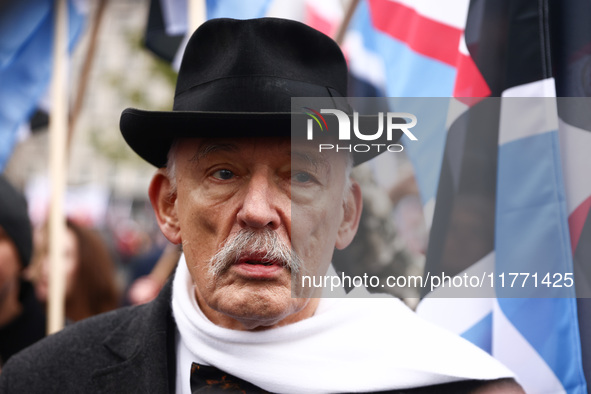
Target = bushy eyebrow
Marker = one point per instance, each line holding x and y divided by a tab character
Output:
209	148
316	161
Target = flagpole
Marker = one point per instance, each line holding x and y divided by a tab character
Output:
340	34
58	125
85	73
197	14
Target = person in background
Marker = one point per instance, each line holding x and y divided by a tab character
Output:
91	285
145	288
22	321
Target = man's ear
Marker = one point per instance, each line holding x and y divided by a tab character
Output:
163	200
352	207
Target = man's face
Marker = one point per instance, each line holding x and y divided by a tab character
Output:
228	189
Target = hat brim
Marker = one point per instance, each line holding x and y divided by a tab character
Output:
151	133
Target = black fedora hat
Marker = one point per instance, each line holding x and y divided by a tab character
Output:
236	79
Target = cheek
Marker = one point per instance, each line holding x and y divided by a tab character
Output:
70	272
202	218
201	231
199	213
314	231
70	266
203	228
9	263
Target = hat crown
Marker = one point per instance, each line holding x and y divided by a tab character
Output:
237	79
257	65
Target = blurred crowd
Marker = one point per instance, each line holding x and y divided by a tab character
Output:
129	266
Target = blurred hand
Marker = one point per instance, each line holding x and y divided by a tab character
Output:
143	290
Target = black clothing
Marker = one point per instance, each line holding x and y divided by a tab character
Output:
14	220
123	351
27	328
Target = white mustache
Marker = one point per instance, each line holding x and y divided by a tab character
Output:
250	242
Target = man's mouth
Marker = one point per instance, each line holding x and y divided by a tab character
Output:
257	262
257	267
258	251
257	258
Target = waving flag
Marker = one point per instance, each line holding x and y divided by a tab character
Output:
26	41
382	62
571	55
486	188
166	30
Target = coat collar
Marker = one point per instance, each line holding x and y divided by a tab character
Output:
143	350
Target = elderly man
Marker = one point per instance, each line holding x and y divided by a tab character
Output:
229	188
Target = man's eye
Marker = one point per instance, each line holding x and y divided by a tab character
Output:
302	177
223	174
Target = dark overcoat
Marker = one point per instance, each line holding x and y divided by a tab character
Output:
130	350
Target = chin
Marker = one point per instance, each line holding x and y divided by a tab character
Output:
261	308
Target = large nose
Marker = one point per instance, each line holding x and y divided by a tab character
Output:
260	205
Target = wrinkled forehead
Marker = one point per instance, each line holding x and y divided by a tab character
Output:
298	152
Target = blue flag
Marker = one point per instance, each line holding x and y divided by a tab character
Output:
495	175
26	42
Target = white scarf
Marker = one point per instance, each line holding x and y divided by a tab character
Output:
349	345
